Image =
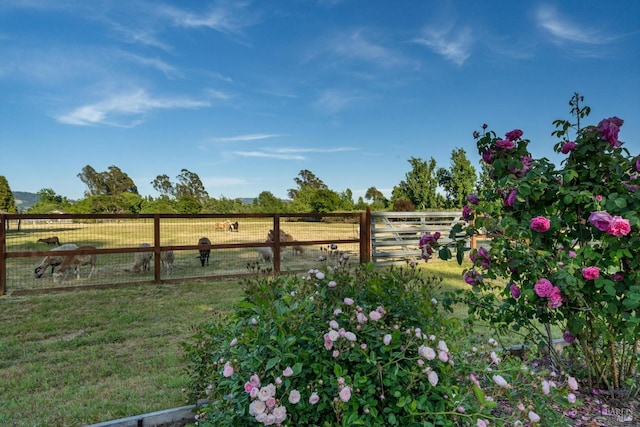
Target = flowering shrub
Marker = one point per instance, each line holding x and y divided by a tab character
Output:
365	347
567	241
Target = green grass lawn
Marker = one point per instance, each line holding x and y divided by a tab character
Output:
82	357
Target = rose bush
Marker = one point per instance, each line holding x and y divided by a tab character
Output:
369	347
566	240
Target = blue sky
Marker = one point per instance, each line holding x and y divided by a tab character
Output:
248	93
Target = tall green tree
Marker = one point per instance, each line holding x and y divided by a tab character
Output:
420	185
266	202
7	200
49	201
306	180
379	201
459	180
187	187
111	182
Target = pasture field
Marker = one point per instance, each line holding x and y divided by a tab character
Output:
114	268
88	356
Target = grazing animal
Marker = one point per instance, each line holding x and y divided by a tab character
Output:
223	226
205	252
233	226
73	262
53	260
167	258
142	260
50	240
285	237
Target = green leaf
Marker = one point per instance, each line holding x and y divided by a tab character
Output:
479	394
272	362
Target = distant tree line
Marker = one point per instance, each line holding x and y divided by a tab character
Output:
425	187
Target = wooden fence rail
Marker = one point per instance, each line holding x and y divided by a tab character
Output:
382	237
21	245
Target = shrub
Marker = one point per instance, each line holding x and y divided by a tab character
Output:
566	240
370	347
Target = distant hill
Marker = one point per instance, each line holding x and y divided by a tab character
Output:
25	200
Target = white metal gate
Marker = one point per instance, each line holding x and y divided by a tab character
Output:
395	236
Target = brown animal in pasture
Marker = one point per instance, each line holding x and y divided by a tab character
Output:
205	252
53	260
285	237
142	260
166	259
50	240
73	262
223	226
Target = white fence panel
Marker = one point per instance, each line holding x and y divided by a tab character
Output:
395	236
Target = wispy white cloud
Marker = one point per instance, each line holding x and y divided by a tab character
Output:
268	155
125	110
169	71
333	101
225	17
314	150
454	45
360	46
562	29
250	137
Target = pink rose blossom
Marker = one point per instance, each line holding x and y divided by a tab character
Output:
619	226
433	378
294	397
467	211
591	273
572	383
271	402
555	298
332	284
345	394
255	380
609	129
540	224
427	352
472	277
348	301
505	144
387	339
601	220
500	381
515	291
228	370
567	337
314	398
567	147
571	398
473	199
287	372
488	156
543	288
482	423
375	316
510	199
361	318
534	417
514	135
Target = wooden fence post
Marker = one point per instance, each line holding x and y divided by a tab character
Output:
157	255
3	254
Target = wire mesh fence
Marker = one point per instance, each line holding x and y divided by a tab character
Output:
156	248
